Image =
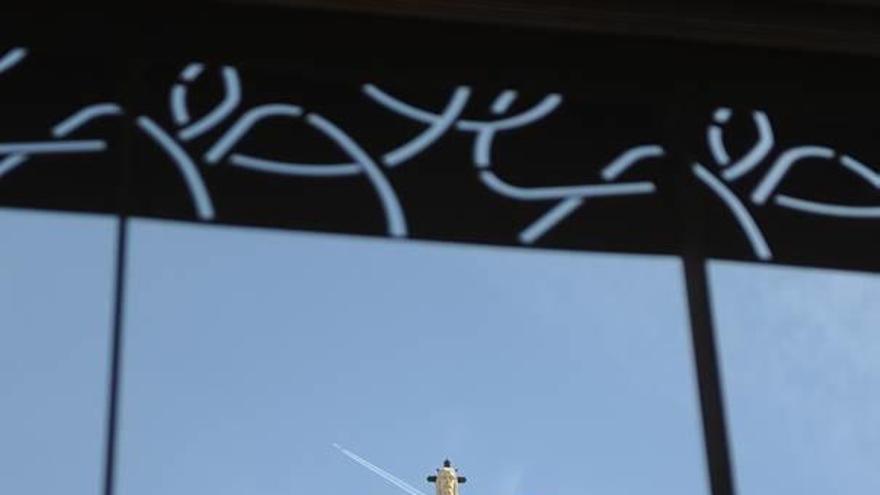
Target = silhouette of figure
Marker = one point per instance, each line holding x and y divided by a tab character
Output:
567	198
771	180
189	129
15	154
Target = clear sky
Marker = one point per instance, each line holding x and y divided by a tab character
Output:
56	285
249	352
800	354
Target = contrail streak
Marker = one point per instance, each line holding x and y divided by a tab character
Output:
394	480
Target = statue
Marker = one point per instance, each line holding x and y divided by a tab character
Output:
447	479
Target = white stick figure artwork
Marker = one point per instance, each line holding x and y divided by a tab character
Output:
15	154
567	198
360	162
768	186
769	166
19	153
189	129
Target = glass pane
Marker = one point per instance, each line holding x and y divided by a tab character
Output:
250	353
799	352
56	299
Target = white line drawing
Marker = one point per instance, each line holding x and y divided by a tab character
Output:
630	158
188	169
231	100
178	94
861	169
731	171
568	198
385	475
396	220
486	130
84	116
783	165
544	193
564	200
53	147
832	209
291	168
361	163
192	178
715	138
189	129
769	183
742	215
245	124
12	58
827	209
438	125
758	152
549	220
19	153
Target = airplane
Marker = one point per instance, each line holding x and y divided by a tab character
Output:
446	481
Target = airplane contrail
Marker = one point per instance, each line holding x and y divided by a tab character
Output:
394	480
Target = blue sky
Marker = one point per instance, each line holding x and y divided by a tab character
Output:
56	283
249	352
800	355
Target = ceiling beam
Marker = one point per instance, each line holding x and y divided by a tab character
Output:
788	24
